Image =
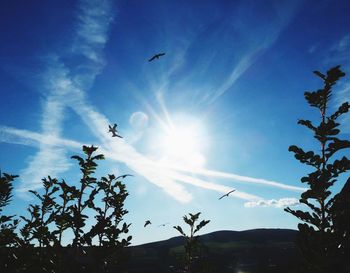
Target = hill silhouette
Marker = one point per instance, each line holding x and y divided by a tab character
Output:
257	250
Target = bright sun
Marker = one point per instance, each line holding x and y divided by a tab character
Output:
183	142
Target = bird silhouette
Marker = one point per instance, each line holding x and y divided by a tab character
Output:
227	194
113	130
123	176
156	56
148	222
163	225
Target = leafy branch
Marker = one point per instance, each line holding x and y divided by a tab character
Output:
320	241
191	238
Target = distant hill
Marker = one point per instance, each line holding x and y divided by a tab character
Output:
250	251
253	251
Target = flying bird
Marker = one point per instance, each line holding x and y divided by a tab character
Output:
227	194
123	176
113	130
156	56
148	222
163	225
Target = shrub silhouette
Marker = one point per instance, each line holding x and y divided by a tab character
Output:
191	238
36	230
324	233
61	207
8	225
87	168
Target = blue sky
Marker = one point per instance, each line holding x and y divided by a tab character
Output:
217	112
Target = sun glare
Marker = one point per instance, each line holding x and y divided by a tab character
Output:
182	143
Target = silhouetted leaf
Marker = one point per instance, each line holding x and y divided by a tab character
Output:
322	76
307	123
344	108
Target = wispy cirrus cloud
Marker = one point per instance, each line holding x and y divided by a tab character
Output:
51	124
67	85
29	138
257	41
94	20
343	44
236	177
162	176
243	64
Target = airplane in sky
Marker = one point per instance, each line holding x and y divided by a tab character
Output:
113	130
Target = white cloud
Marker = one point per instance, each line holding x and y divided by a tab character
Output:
213	186
50	159
29	138
236	177
280	203
62	90
94	20
244	63
41	165
166	178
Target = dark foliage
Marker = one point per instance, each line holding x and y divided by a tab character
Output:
8	224
87	168
324	233
191	244
253	251
62	208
